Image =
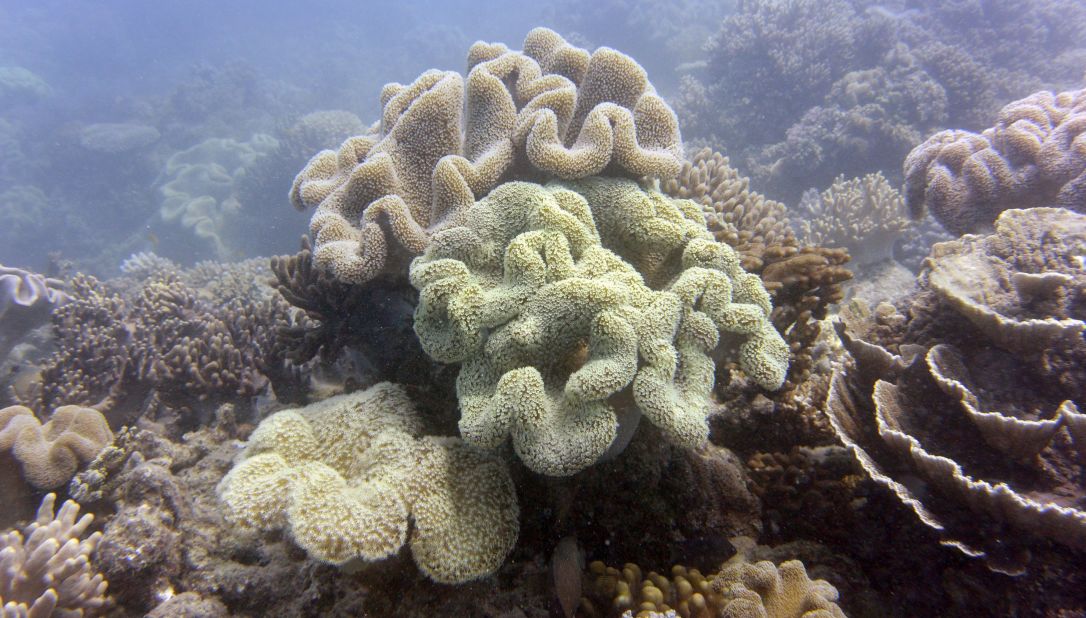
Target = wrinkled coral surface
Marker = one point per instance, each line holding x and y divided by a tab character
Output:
1035	155
551	110
345	474
50	453
559	299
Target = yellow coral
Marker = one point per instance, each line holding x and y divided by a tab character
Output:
549	324
344	476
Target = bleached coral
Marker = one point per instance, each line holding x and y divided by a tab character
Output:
444	141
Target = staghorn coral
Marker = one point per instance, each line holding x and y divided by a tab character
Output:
735	214
864	215
557	298
1035	155
552	110
51	453
343	475
45	570
975	391
739	590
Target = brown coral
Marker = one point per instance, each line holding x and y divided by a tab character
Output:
50	453
975	391
552	110
1035	155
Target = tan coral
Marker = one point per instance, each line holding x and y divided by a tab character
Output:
864	215
51	453
550	110
344	476
1035	155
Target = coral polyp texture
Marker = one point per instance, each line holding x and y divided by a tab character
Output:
864	215
1034	156
45	570
740	590
346	475
976	391
50	453
552	110
576	308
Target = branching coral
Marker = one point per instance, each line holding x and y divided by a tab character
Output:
51	453
345	474
45	570
975	391
552	110
864	215
556	299
1035	155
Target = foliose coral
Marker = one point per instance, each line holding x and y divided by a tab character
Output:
344	476
45	570
976	390
1035	155
50	453
552	110
557	299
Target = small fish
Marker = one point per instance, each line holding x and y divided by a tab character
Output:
153	239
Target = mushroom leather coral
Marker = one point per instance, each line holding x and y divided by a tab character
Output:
552	110
51	453
558	298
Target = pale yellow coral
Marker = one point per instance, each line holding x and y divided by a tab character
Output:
346	475
446	141
51	453
540	296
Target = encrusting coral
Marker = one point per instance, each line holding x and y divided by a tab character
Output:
1035	155
45	570
344	476
976	390
51	453
553	110
575	308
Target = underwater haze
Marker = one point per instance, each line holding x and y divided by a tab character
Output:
523	309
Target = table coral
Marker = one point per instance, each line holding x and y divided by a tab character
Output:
444	141
558	298
345	474
45	570
976	390
50	453
1035	155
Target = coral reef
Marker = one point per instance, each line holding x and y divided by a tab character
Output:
345	474
45	570
51	452
21	86
1034	156
117	138
26	300
739	589
864	215
187	342
974	391
552	110
557	299
199	190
